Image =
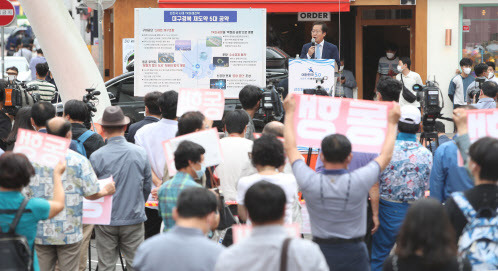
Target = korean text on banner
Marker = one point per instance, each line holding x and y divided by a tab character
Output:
199	48
98	212
363	122
210	102
208	139
308	73
481	123
40	148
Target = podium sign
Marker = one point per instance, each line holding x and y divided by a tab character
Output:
306	74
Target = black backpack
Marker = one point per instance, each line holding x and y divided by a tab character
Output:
15	253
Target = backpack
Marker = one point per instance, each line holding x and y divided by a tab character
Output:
15	253
78	143
479	239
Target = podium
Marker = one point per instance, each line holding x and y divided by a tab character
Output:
307	74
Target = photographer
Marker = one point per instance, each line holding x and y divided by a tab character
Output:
473	90
487	96
345	82
5	121
250	98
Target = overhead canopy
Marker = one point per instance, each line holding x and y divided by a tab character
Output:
270	5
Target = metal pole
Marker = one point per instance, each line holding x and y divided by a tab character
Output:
101	38
3	53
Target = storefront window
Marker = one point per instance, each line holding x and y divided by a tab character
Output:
480	32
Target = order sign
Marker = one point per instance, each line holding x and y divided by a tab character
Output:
363	122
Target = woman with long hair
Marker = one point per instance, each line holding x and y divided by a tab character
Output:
426	241
23	121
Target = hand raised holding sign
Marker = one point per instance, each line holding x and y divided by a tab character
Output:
460	119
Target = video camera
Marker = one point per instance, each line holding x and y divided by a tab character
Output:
16	95
475	93
271	104
91	101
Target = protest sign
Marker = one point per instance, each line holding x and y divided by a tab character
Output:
199	48
210	102
482	123
241	231
98	212
208	139
40	148
308	73
363	122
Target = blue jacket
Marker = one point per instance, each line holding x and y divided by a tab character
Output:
446	176
330	51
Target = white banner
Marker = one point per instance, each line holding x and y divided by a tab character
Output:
309	73
200	48
128	52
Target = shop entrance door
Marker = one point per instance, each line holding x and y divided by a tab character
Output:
374	40
375	27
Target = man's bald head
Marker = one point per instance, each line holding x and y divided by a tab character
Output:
274	128
59	126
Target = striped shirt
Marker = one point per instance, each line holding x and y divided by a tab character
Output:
168	195
45	89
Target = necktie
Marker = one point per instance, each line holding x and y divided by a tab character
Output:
318	55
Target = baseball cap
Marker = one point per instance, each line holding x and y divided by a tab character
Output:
410	114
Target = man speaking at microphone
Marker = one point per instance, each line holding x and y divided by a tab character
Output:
318	48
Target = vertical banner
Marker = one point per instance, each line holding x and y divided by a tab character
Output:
40	148
210	102
363	122
309	73
98	212
481	123
128	52
202	48
208	139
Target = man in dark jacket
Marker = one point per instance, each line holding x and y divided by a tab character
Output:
152	114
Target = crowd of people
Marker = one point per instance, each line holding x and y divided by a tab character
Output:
367	211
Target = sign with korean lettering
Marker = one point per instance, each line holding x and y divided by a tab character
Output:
43	149
98	212
208	139
222	49
309	73
210	102
481	123
363	122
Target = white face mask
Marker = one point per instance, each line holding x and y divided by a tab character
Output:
467	70
400	68
390	55
341	68
490	75
11	77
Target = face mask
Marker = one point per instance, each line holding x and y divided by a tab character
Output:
400	69
467	70
11	77
341	68
490	75
390	55
200	172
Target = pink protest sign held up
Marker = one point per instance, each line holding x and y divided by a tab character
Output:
98	212
363	122
482	123
43	149
210	102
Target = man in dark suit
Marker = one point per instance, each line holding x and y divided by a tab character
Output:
321	49
152	114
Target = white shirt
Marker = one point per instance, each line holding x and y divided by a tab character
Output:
321	50
236	152
409	80
286	181
150	137
494	79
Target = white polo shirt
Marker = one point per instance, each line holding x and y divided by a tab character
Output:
409	80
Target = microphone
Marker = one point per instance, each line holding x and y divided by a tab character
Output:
313	42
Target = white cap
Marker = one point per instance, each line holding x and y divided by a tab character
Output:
410	114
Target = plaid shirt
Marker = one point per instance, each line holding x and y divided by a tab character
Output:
168	195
